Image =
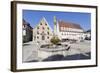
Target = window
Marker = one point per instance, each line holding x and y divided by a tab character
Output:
37	27
34	38
48	28
43	37
48	32
64	28
61	28
37	37
37	32
43	28
62	33
40	23
45	23
48	37
24	32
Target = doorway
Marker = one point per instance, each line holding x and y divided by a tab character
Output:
43	37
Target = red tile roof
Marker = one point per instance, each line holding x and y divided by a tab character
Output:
69	25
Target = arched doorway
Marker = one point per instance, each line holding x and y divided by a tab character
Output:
43	37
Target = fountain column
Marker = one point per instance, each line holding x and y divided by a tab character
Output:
55	25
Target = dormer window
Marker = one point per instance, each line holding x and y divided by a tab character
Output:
48	28
45	23
48	37
43	28
37	27
37	37
40	23
48	33
37	32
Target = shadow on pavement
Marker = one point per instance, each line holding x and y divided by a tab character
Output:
54	58
62	58
70	57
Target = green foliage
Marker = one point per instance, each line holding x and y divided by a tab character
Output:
55	40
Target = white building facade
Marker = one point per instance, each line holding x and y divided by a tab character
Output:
69	31
42	32
64	30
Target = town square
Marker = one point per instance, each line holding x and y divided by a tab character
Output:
56	40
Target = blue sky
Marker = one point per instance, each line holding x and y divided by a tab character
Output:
33	17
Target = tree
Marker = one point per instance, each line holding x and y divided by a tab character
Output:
55	40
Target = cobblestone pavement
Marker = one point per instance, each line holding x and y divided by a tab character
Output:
30	50
80	47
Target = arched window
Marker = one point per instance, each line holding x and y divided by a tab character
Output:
48	32
37	32
37	37
43	37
